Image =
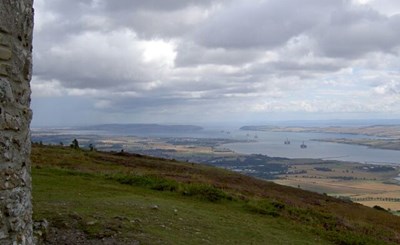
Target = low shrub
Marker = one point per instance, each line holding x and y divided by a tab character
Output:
152	182
379	208
265	207
205	191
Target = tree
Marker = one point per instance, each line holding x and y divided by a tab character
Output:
75	144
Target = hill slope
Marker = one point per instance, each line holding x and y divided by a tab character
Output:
119	198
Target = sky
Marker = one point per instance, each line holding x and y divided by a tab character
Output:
214	61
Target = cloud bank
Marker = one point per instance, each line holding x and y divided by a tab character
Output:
194	61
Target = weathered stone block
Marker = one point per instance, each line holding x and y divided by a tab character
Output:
3	28
12	122
9	179
13	150
21	95
3	69
5	53
6	94
4	40
3	234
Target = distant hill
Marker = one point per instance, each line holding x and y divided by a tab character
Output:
144	128
258	128
373	130
93	197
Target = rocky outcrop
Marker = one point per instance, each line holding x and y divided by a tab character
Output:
16	23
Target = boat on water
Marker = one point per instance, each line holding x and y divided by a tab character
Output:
287	141
303	146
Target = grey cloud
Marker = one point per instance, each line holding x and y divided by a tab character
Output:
61	18
317	66
164	5
190	54
157	19
339	28
151	24
94	60
71	7
389	86
150	18
168	104
357	32
388	7
266	24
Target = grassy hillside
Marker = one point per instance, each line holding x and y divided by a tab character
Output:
118	198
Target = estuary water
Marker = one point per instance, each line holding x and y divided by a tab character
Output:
272	144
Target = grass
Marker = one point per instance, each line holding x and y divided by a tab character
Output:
157	201
72	200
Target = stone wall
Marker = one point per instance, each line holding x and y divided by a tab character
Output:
16	23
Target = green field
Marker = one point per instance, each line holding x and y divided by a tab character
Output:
95	197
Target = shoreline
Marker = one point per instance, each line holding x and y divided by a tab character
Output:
370	143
